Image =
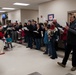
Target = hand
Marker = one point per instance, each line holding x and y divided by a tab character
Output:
67	27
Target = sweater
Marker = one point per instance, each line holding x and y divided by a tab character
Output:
1	35
8	39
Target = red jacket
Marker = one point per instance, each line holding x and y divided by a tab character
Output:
64	35
23	34
52	27
1	35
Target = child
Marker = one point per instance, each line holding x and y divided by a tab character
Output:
9	41
47	38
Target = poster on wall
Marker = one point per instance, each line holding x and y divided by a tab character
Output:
50	17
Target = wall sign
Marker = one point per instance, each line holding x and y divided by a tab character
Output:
50	17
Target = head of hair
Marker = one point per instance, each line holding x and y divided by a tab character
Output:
45	24
29	20
41	23
48	26
74	17
25	23
33	20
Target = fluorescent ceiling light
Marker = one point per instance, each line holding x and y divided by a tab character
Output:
21	4
8	8
2	11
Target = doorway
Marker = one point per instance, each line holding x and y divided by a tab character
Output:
71	13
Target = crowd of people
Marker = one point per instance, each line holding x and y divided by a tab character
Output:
39	34
33	33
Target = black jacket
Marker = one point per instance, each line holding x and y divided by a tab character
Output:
34	29
71	38
38	35
30	32
20	26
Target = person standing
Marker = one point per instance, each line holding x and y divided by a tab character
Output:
25	33
30	34
71	44
1	43
53	40
38	37
20	25
47	40
57	25
34	29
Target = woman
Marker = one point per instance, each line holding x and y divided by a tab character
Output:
52	40
1	42
47	38
38	37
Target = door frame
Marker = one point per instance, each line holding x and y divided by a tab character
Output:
69	13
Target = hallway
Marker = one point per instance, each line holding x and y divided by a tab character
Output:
23	61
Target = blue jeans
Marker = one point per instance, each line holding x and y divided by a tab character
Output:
48	48
46	45
38	44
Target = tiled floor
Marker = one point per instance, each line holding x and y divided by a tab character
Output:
23	61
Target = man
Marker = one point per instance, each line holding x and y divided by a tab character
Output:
71	44
34	29
30	34
56	23
58	26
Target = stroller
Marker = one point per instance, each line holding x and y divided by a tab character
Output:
6	44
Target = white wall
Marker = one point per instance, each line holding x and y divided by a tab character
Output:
29	14
14	15
57	7
22	15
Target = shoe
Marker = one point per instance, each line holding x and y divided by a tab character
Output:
49	55
2	53
27	47
62	65
56	57
31	48
45	53
11	47
52	57
37	49
73	68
